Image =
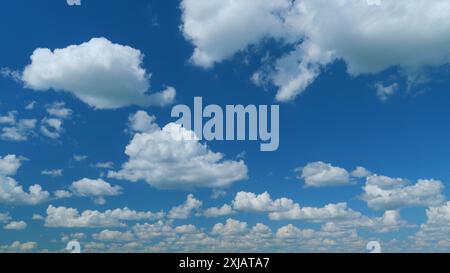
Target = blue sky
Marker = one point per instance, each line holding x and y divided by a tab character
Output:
345	105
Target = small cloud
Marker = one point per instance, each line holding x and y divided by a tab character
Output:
104	165
59	110
61	194
384	92
53	173
16	225
74	2
30	105
79	158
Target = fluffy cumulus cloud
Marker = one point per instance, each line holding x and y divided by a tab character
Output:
225	210
339	215
18	247
16	225
94	187
287	209
13	194
171	158
334	228
185	210
72	218
382	192
218	29
111	235
9	164
436	231
368	38
100	73
230	227
320	174
141	122
230	236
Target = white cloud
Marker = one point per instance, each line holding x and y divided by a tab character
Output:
169	158
251	202
97	187
320	174
360	172
100	73
9	119
19	247
339	211
218	193
59	110
225	210
287	209
218	29
37	217
74	2
439	215
368	37
436	231
72	218
384	92
52	127
61	194
15	225
4	217
53	173
338	215
9	164
186	229
12	193
30	105
151	231
231	227
381	192
80	158
292	232
142	122
9	73
111	235
104	165
16	129
185	210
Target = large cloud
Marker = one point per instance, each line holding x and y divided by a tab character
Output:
411	35
170	158
100	73
219	28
